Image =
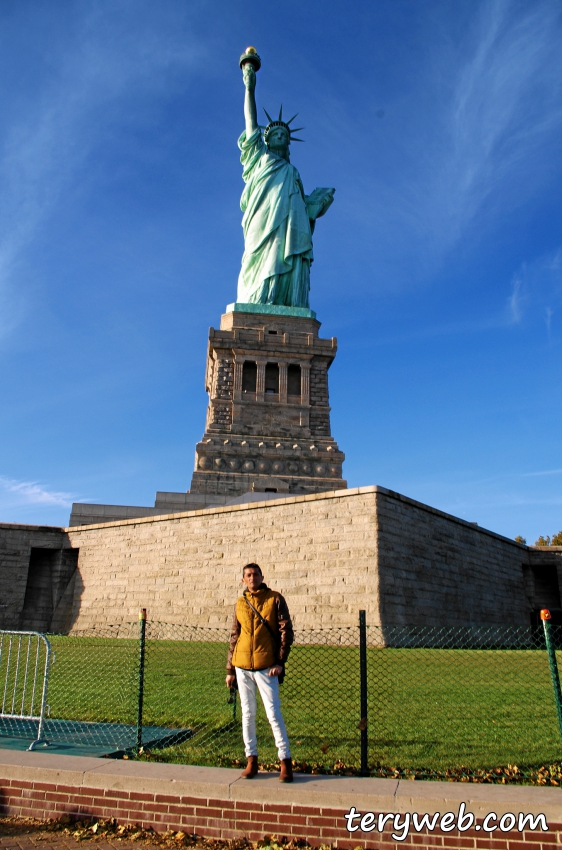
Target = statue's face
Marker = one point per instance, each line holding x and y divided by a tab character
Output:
278	140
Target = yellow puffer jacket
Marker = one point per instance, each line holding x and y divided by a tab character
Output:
252	647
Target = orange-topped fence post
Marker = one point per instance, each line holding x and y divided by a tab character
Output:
546	617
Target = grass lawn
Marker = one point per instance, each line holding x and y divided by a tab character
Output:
430	708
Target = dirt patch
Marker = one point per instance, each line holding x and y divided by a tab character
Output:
65	834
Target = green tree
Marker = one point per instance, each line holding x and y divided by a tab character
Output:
520	539
556	539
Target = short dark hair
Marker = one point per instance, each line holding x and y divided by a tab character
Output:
251	567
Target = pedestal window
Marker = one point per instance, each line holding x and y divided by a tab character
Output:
294	380
271	379
249	376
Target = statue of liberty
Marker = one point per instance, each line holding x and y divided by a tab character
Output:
279	218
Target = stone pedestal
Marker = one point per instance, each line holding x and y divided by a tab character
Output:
268	419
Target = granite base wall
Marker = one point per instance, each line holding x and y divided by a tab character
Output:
319	550
438	570
331	554
57	592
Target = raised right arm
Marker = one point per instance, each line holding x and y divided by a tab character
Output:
250	110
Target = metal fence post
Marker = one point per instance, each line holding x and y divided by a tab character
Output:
142	645
363	680
546	617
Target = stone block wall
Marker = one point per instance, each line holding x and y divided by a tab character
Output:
331	554
438	570
253	430
36	571
165	503
319	410
318	550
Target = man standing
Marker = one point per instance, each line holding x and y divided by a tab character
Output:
260	641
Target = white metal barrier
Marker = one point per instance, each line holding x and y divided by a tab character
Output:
25	661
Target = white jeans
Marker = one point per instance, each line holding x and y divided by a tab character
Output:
269	692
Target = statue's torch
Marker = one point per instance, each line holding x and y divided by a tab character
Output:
250	56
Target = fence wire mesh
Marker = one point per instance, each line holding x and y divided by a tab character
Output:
185	691
467	703
461	702
92	690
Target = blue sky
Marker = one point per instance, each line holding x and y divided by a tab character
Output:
439	266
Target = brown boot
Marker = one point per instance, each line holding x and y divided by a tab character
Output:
286	774
251	768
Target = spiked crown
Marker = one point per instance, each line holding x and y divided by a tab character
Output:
281	123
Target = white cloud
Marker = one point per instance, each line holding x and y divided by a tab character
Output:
515	299
544	472
474	137
505	110
537	290
548	321
102	61
14	493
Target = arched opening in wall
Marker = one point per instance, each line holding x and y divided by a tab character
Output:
294	380
249	376
272	378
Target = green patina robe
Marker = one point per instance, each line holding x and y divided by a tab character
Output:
277	229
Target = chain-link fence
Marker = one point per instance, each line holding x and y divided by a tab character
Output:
462	702
92	691
467	703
